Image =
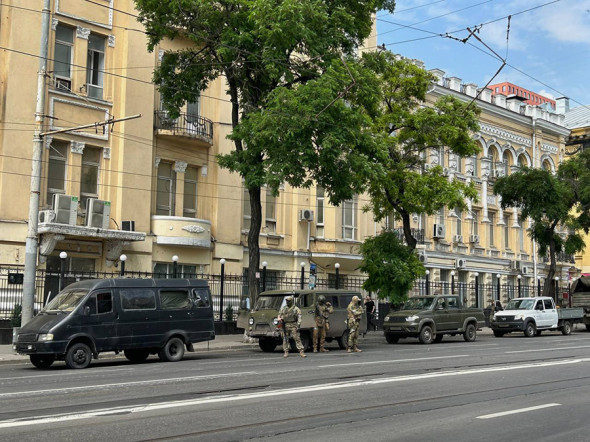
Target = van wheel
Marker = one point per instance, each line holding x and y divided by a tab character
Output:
343	340
137	356
470	333
530	329
267	345
173	351
567	328
42	361
426	335
391	338
305	341
78	356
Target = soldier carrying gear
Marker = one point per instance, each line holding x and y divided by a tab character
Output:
355	311
322	324
290	314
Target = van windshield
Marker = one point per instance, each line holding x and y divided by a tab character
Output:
65	301
418	304
269	302
520	304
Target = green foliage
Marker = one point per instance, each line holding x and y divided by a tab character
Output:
229	313
15	317
405	133
391	267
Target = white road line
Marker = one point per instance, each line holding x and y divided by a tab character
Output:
35	376
520	410
125	384
547	349
281	392
393	361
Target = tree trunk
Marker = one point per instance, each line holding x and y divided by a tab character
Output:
410	240
548	287
253	245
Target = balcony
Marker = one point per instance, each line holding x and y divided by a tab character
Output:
561	257
418	234
189	126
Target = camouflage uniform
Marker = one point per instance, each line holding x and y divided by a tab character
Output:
291	316
322	312
355	311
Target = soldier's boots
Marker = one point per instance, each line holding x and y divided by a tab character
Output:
286	354
315	350
303	355
349	350
324	350
358	350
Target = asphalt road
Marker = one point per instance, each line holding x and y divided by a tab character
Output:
509	388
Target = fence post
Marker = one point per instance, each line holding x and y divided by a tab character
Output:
518	277
427	282
123	258
175	266
222	283
337	266
556	289
452	282
477	290
498	281
264	264
302	274
62	256
539	286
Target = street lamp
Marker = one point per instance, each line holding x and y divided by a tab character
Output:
556	289
302	264
175	266
427	282
518	277
264	264
477	290
538	286
337	266
498	277
62	270
123	258
221	284
452	282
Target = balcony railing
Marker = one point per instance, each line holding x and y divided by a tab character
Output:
186	125
561	257
418	234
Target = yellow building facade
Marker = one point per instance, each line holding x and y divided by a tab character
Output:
150	187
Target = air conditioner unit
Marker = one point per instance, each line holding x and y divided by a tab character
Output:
515	265
457	238
439	231
474	239
422	257
526	270
98	213
306	215
46	216
65	208
129	226
63	84
460	263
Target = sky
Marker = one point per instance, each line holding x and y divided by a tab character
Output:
548	47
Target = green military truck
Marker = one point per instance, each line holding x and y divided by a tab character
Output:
580	298
429	318
261	322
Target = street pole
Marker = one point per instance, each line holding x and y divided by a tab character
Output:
32	243
452	282
175	266
264	264
221	284
337	266
427	282
477	290
62	270
303	274
123	258
518	277
498	278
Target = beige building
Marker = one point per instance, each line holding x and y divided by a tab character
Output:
150	187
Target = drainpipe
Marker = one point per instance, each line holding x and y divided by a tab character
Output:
535	162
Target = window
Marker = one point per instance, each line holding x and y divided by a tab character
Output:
246	211
475	166
89	177
459	229
56	169
271	218
138	299
506	161
440	216
193	111
492	217
100	303
506	232
503	88
548	304
521	233
475	223
349	219
320	211
166	188
202	297
497	89
62	56
175	300
95	66
166	270
189	207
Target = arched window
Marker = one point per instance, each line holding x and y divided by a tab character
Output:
506	161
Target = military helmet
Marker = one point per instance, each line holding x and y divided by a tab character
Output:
289	300
321	299
355	299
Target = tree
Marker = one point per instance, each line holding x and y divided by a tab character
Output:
262	48
406	132
549	201
391	267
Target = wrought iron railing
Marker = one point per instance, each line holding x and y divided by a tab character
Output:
418	234
185	124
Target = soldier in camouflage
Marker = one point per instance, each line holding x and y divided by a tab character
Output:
322	312
355	311
290	314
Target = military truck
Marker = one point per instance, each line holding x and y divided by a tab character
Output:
262	322
580	298
429	318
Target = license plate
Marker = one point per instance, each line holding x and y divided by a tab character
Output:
395	328
504	325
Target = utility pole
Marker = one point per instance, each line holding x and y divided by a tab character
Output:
32	241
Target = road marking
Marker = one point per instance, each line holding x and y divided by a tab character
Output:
283	393
125	384
62	374
393	360
546	349
520	410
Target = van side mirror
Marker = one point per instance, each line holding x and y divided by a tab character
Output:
244	304
86	311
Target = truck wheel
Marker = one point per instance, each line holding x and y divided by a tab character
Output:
343	340
173	351
136	355
470	333
267	345
391	338
530	329
78	356
438	338
305	341
567	328
498	334
426	335
42	361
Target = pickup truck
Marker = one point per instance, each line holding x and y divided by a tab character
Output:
429	318
534	315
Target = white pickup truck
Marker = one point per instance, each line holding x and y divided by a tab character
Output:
533	315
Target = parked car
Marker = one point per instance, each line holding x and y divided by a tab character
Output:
137	316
